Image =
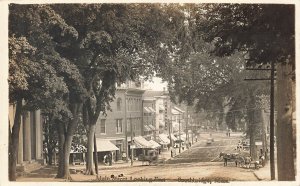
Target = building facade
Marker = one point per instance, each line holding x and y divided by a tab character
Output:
30	151
125	119
149	119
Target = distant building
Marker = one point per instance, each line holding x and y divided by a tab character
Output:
177	119
116	125
149	118
162	106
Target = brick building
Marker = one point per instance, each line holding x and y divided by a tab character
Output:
126	114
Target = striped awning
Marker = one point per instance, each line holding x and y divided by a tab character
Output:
146	110
152	127
151	109
147	128
154	144
163	139
142	143
173	137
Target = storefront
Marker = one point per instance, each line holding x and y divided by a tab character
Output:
105	147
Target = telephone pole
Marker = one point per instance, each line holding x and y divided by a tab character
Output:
179	136
272	162
131	144
126	129
186	125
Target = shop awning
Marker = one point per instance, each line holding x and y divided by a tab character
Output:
105	145
162	124
175	112
152	127
141	142
178	109
161	107
182	138
163	139
173	137
147	128
151	109
154	144
146	110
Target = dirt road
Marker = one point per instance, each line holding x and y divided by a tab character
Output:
200	163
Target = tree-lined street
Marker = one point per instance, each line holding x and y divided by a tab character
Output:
78	95
201	160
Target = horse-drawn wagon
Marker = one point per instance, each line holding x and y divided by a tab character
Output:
151	156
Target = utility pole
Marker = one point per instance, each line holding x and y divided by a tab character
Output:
179	136
186	125
126	129
168	117
272	164
131	144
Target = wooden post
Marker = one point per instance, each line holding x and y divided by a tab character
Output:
272	164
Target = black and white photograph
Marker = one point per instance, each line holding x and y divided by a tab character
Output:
151	92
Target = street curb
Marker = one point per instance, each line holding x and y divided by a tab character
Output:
259	179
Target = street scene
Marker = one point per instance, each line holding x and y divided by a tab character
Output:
201	159
152	93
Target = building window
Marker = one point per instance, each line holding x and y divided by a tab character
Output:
119	127
119	104
102	126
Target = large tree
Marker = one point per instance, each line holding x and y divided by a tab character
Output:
38	77
267	33
115	43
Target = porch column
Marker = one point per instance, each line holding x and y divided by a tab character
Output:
20	149
27	136
38	131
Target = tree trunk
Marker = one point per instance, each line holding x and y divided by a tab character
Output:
61	142
67	148
89	162
285	141
65	138
75	109
14	142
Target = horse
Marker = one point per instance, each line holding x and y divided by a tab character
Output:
239	160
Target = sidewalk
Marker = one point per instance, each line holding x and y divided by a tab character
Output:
263	173
164	156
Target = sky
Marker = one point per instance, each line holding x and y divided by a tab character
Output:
156	84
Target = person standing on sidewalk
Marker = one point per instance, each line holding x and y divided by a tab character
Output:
110	159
